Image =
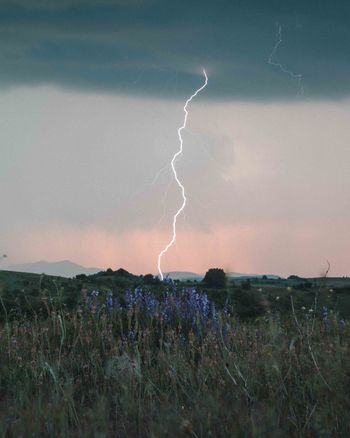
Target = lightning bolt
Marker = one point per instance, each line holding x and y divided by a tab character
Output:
298	77
182	188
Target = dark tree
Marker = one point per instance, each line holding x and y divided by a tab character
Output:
293	277
148	279
215	277
122	273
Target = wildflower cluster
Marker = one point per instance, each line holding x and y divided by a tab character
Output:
141	300
187	306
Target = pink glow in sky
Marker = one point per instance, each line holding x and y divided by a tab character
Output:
236	249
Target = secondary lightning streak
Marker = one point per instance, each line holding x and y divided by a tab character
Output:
152	183
299	77
175	157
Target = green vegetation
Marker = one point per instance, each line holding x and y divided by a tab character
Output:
160	362
215	278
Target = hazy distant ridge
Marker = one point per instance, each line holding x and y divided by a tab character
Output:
64	268
180	275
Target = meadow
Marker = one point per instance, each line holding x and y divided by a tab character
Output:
89	357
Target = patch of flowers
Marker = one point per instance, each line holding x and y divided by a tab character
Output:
186	307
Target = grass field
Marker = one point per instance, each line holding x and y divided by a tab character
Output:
168	362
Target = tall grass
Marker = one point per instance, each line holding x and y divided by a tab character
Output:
131	371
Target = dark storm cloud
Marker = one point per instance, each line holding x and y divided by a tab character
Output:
158	47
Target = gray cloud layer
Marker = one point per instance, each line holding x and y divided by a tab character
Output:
90	159
158	47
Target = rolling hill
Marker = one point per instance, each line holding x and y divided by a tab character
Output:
64	268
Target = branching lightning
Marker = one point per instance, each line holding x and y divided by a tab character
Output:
182	188
298	77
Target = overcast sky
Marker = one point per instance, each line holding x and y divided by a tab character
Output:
92	94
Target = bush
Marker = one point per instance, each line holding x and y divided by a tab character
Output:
215	278
150	279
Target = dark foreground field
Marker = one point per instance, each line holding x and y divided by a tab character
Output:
160	361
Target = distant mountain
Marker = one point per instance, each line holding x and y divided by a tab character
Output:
179	275
64	268
243	276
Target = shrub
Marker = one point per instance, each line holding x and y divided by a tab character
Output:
215	278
